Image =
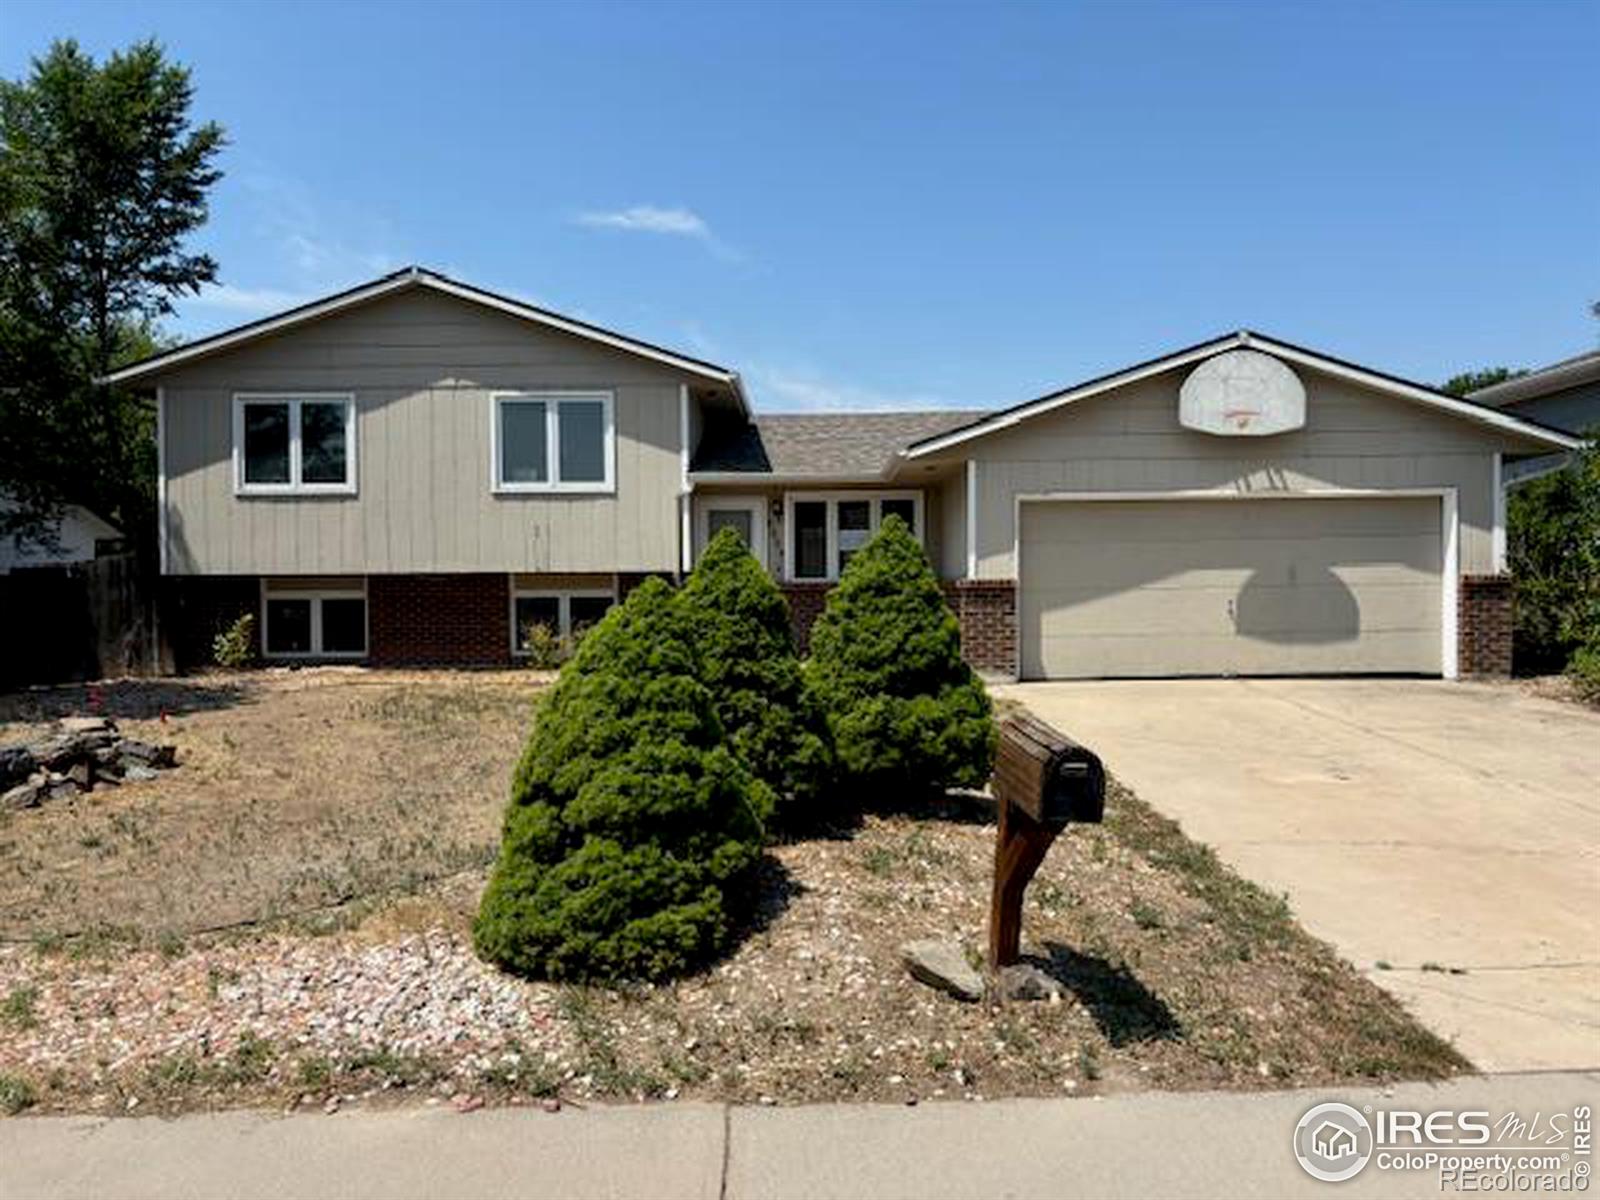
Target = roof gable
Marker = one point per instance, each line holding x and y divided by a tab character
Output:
406	280
1376	380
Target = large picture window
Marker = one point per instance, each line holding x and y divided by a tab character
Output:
825	529
294	443
553	441
313	622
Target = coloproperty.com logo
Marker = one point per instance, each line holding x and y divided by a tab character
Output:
1468	1150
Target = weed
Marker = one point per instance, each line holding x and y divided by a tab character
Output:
17	1009
1146	916
315	1073
1088	1062
170	944
16	1094
879	860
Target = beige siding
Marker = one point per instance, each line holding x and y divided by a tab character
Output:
422	367
952	561
1130	440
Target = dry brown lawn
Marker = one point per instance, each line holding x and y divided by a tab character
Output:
341	822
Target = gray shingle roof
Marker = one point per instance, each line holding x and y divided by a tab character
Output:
824	445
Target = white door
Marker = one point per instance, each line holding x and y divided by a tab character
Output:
1284	586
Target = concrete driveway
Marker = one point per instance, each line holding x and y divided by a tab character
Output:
1413	823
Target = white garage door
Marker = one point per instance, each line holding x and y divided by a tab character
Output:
1230	587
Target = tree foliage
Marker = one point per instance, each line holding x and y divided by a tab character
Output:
741	626
102	180
1553	551
906	713
632	830
1468	382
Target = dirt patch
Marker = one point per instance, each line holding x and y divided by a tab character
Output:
1178	973
1553	687
298	790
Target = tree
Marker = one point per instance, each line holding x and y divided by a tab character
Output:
741	625
906	713
633	829
1468	382
1553	551
102	180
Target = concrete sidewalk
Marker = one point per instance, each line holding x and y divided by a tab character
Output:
1199	1144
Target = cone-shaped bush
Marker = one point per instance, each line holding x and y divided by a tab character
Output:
741	626
632	830
906	712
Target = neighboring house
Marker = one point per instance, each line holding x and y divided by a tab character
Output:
76	536
1565	395
413	470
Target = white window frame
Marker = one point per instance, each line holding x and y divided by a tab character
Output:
316	596
756	506
832	499
552	442
295	486
563	598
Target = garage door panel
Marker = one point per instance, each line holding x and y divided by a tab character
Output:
1243	608
1230	587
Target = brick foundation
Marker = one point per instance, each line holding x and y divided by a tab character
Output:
985	608
1484	626
439	620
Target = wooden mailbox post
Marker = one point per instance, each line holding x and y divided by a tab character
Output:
1042	782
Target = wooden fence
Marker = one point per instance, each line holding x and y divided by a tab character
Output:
86	621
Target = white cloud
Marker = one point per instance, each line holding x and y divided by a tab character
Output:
646	218
226	297
806	391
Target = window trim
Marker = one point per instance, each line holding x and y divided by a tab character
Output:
295	487
552	442
875	495
756	506
316	596
563	598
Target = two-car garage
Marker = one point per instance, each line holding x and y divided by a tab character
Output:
1229	585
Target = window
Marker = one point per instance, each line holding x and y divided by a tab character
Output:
745	515
565	613
285	444
826	529
553	441
302	622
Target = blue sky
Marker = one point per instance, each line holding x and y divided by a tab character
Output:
876	205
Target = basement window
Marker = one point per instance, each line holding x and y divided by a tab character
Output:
567	614
300	621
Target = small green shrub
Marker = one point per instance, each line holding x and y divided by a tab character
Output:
16	1094
906	713
235	646
1584	671
633	831
740	623
544	648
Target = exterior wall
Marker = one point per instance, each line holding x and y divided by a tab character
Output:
1130	440
422	367
952	562
447	620
1485	625
1576	409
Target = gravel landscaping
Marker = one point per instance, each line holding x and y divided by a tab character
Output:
356	982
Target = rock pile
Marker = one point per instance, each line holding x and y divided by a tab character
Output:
79	754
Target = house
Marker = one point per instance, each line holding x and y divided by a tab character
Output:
415	469
75	536
1565	394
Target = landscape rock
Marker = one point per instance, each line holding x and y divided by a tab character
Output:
86	724
147	753
24	795
1024	981
942	965
138	773
16	763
